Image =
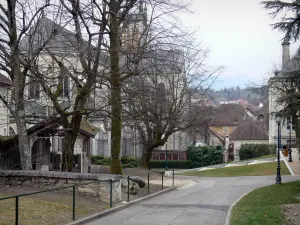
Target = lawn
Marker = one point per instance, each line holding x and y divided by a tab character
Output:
261	157
263	169
37	211
263	205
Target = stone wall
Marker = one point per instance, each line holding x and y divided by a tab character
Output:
93	184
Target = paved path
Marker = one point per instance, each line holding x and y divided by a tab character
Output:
206	203
295	165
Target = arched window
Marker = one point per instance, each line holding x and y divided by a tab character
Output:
11	131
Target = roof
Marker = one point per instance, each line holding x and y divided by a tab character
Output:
5	80
248	130
264	110
228	115
86	128
64	41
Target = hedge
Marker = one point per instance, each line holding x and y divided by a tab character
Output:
172	164
250	151
205	155
126	161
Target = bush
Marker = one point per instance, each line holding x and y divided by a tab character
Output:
180	164
250	151
129	162
96	158
205	155
126	161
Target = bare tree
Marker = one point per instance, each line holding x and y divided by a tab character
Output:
16	18
71	65
159	103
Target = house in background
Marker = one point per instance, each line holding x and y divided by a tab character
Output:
248	132
225	120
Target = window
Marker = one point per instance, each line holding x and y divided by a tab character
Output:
33	89
288	122
11	131
175	156
162	156
63	80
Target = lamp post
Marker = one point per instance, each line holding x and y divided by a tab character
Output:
278	121
166	163
290	149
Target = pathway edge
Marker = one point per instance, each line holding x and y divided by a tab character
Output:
99	215
227	220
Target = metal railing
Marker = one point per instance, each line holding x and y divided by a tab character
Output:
17	197
148	183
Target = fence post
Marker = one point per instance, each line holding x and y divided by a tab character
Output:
162	180
17	210
128	190
73	205
148	183
111	193
173	178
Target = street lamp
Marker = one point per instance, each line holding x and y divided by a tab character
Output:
290	149
278	121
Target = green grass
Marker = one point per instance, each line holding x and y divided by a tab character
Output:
262	206
263	169
262	157
33	211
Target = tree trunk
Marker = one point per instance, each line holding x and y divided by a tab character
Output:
68	147
24	148
116	107
19	86
146	156
70	136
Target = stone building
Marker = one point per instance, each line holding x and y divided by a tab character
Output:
289	65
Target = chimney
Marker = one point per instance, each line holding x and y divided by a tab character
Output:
285	53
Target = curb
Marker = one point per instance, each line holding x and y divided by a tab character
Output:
227	220
93	217
287	164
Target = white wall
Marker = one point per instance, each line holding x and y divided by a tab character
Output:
273	127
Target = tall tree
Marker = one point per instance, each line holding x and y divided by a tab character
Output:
16	17
159	103
289	13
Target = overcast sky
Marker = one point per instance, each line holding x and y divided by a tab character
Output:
240	37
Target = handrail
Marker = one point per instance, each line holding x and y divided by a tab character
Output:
16	197
54	189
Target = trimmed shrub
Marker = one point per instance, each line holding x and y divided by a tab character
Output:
250	151
172	164
129	162
126	161
205	155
